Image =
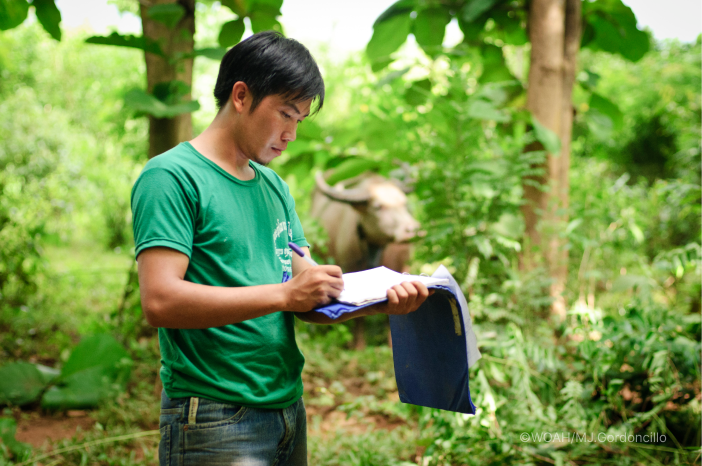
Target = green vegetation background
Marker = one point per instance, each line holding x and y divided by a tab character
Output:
627	360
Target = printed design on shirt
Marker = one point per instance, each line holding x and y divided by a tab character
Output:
282	251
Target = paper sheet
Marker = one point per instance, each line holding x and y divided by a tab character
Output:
371	285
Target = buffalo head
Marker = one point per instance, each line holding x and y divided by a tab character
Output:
381	205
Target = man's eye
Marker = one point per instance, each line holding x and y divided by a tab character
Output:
285	115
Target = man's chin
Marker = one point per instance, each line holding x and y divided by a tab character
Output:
265	159
261	161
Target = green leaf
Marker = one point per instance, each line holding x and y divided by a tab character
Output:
494	92
213	53
300	147
168	14
483	110
379	133
49	16
266	4
171	92
8	430
12	13
94	351
418	92
388	36
494	65
351	167
135	42
607	108
398	8
264	20
509	226
309	129
48	374
474	8
238	7
626	41
20	383
472	30
85	389
231	33
588	80
509	29
98	368
611	26
429	27
484	246
143	102
550	140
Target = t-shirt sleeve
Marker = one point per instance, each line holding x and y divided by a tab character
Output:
163	212
298	236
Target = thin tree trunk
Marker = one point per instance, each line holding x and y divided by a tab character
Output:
165	133
558	260
545	101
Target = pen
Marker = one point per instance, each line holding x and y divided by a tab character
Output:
301	253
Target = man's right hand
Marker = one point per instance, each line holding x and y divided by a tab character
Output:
315	286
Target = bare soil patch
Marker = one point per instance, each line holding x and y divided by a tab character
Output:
38	430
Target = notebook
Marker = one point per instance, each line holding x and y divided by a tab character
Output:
433	347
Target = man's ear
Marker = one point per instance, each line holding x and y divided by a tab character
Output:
240	96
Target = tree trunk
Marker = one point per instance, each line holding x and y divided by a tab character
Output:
545	100
166	133
558	260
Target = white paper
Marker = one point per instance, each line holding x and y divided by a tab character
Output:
369	286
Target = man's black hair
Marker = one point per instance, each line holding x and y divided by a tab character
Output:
270	63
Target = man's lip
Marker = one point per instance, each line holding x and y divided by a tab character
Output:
279	150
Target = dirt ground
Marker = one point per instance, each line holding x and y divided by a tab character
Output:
37	430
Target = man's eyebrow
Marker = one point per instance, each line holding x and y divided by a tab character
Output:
294	107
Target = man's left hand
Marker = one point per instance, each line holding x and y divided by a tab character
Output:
403	299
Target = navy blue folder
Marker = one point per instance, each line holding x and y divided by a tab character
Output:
433	348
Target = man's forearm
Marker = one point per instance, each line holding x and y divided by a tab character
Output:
191	305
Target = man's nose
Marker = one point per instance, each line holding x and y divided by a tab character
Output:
290	134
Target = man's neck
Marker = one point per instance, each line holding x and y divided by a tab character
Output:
218	143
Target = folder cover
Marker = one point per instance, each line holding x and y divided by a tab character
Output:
433	348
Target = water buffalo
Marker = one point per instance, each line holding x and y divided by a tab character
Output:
367	221
368	225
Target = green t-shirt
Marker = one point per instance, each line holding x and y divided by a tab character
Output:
235	233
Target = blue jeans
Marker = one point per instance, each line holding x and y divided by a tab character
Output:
200	432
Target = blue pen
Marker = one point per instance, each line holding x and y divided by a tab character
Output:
301	253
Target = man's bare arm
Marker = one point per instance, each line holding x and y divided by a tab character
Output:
172	302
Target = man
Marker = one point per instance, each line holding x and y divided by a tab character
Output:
212	226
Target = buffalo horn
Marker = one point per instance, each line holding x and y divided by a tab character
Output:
349	196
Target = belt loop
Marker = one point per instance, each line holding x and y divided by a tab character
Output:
192	413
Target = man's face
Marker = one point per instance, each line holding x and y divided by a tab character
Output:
267	130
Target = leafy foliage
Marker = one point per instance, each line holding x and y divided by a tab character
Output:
157	106
12	13
20	383
97	369
625	360
8	445
129	41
